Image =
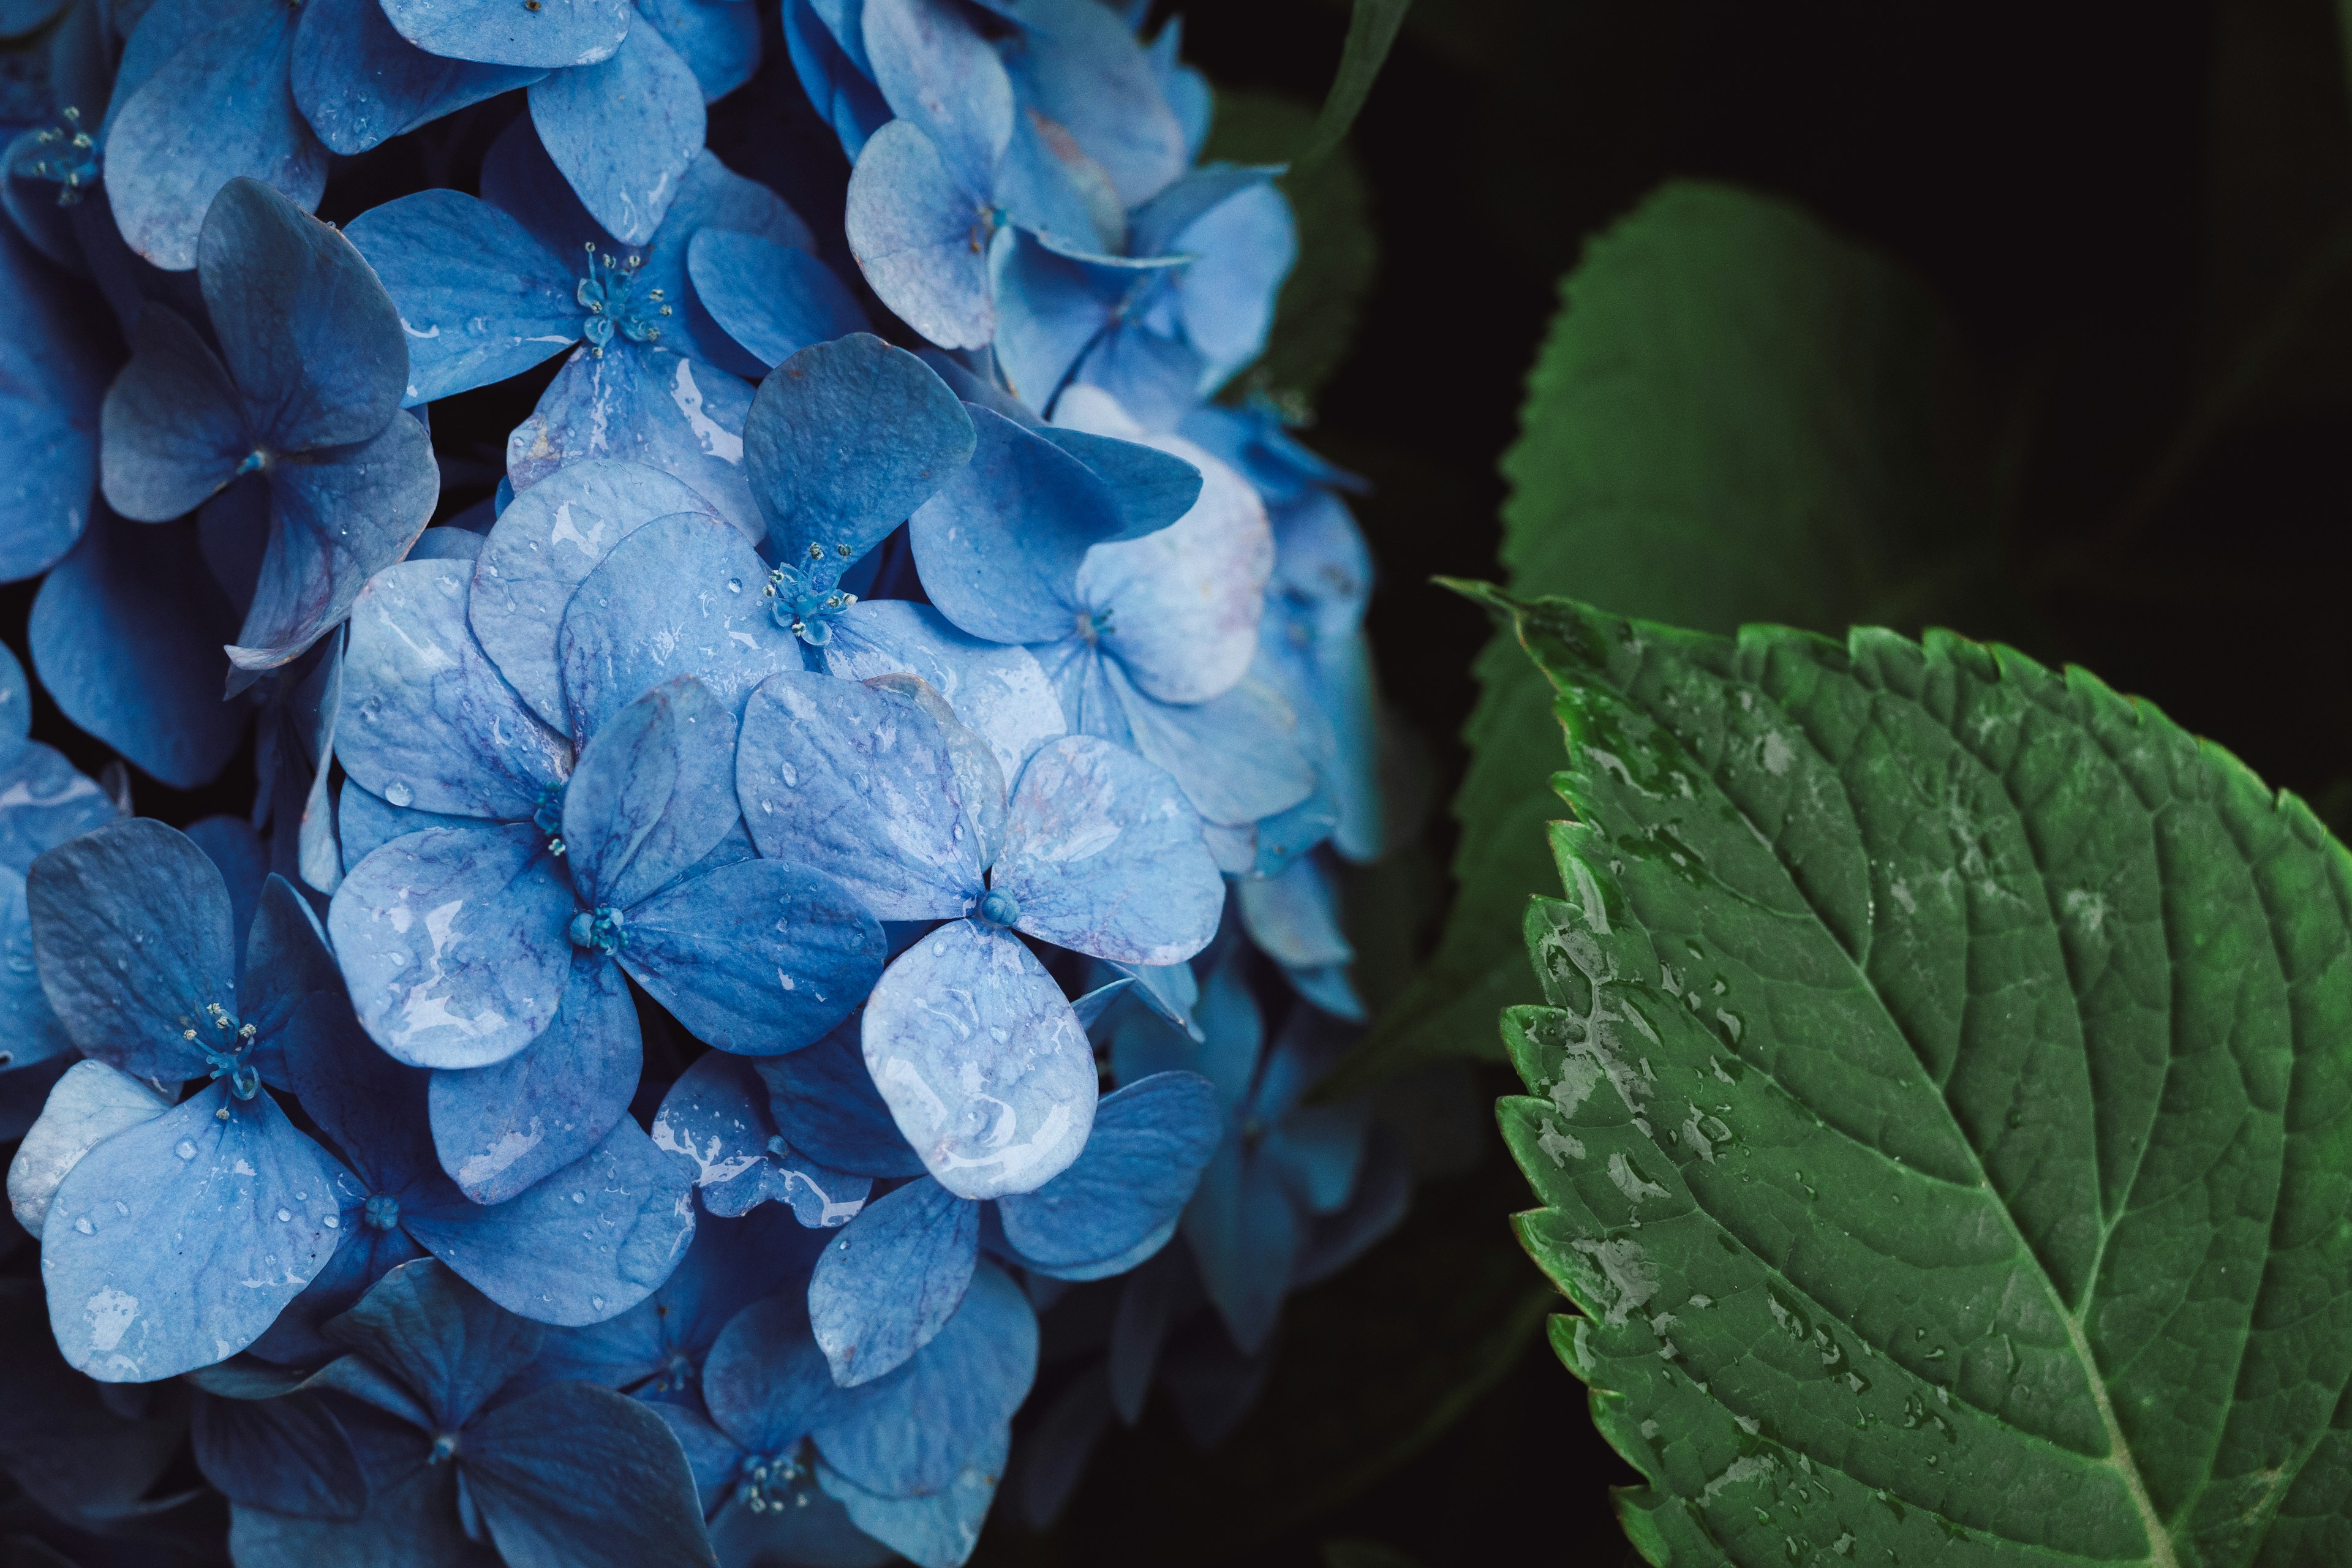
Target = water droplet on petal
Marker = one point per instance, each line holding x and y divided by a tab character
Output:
332	1222
398	793
186	1150
283	1216
83	1225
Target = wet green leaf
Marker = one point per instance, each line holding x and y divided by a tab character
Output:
1942	1108
1737	416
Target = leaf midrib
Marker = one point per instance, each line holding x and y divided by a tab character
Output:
2120	1458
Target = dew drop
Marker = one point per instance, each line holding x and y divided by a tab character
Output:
398	793
734	586
121	1209
598	1302
332	1222
284	1214
83	1225
186	1150
579	1197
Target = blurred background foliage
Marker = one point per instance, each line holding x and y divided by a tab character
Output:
2033	322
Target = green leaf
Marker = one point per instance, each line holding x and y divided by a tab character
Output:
1737	416
1314	316
1942	1108
1371	28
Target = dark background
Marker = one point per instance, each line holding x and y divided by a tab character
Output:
2137	217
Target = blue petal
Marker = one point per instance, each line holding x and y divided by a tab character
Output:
857	783
1237	756
130	925
308	333
443	543
1000	546
288	1455
838	85
946	1409
1231	1036
1104	856
1080	66
996	1088
566	33
1184	603
337	516
371	1107
501	1127
766	1381
1160	224
719	41
996	688
1317	1151
887	1286
921	237
717	1115
43	802
825	1104
1050	308
1224	300
653	795
359	83
1153	488
127	1303
934	1529
1149	1144
1295	918
657	1348
479	298
443	1341
713	199
365	822
233	846
623	131
1155	377
843	441
453	942
217	109
412	1514
27	1025
1049	185
586	1243
89	1103
288	968
771	298
755	957
540	550
52	376
172	426
545	1472
431	722
680	597
650	407
816	1532
711	1454
1245	1231
936	71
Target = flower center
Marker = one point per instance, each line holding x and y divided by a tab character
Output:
226	1047
72	159
805	597
548	818
600	931
999	907
772	1483
444	1449
1093	624
609	292
381	1212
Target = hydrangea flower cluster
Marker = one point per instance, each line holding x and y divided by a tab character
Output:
832	860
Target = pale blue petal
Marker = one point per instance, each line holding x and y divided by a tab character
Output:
679	597
586	1243
718	39
654	793
540	550
756	957
981	1061
453	942
501	1127
89	1103
1237	756
130	1301
1104	856
649	407
935	1529
431	723
997	690
1050	308
1245	246
359	83
859	783
43	802
1160	225
889	1283
365	823
935	71
844	95
1000	547
560	33
1081	66
773	300
624	131
921	237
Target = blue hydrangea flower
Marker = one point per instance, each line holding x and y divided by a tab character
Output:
457	1474
305	393
1093	849
911	1458
717	1115
131	930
